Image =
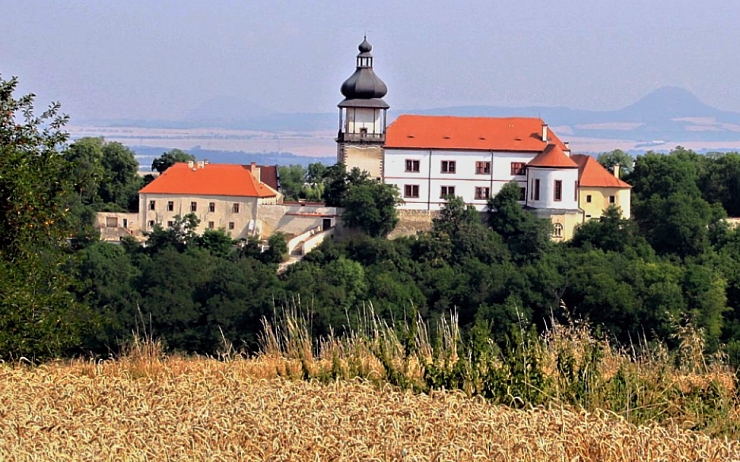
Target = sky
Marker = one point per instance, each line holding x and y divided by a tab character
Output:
159	60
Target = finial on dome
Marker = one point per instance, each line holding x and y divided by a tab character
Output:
365	46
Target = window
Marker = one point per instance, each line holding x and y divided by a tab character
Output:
211	206
448	166
447	191
411	190
518	168
235	207
152	204
522	194
211	225
412	165
231	225
193	206
170	206
170	224
612	199
481	168
558	190
482	192
151	223
575	192
557	230
537	189
363	132
588	198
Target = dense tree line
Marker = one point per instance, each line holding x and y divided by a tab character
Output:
676	260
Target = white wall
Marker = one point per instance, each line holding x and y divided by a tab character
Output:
547	177
367	118
430	177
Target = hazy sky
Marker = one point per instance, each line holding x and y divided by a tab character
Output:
150	59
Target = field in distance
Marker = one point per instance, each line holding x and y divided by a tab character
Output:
204	409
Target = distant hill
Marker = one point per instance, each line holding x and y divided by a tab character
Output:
146	154
668	114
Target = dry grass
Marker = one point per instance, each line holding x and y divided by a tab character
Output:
203	409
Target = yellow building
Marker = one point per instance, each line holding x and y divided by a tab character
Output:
220	195
598	188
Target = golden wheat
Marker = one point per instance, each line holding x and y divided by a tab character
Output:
203	409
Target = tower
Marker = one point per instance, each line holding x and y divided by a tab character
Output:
362	117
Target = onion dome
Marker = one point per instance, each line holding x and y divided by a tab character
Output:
364	88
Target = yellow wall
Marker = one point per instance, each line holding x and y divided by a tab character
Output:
569	221
221	217
600	200
367	158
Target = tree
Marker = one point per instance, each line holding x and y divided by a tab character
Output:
169	158
371	208
292	178
527	236
617	157
180	236
611	233
337	182
38	317
122	182
277	251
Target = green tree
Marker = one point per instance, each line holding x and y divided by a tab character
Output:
122	181
292	178
277	251
337	182
38	317
180	236
170	158
371	208
617	157
527	236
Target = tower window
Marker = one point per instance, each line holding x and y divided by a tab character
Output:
537	189
446	191
588	198
522	194
558	190
557	230
411	190
482	192
612	199
412	165
482	168
363	132
448	166
518	168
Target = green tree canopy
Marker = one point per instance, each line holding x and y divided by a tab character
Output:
170	158
617	157
38	317
371	208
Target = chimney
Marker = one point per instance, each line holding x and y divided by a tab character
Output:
255	171
191	164
201	164
544	133
616	170
567	148
206	161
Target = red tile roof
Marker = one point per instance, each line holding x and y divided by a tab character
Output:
268	175
553	157
468	133
593	174
209	180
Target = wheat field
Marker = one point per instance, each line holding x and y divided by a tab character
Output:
204	409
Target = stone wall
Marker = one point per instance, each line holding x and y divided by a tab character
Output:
413	221
294	218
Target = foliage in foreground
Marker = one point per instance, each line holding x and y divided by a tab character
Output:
566	366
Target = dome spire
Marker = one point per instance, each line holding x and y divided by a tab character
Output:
364	84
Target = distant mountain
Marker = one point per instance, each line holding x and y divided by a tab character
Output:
146	154
668	114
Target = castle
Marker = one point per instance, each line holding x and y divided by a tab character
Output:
431	157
